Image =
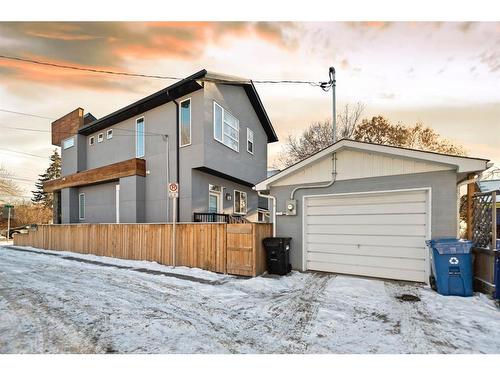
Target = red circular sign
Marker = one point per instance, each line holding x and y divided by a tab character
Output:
172	187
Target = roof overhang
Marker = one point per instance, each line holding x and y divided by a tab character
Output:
179	89
461	163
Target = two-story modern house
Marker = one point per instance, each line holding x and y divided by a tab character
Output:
208	131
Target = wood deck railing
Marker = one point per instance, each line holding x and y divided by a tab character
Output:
213	217
219	247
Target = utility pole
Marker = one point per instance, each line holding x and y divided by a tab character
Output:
327	86
334	108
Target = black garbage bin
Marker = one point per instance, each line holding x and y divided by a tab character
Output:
277	255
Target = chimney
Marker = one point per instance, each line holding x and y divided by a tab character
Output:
67	126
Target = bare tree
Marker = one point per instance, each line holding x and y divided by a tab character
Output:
320	135
348	119
8	188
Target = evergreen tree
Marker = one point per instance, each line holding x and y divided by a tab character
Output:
52	172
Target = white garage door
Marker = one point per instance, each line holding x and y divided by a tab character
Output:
370	234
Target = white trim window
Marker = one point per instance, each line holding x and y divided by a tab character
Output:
91	141
226	128
109	133
100	137
68	142
240	202
81	206
250	141
140	141
185	123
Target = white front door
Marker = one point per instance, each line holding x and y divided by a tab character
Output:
214	202
371	234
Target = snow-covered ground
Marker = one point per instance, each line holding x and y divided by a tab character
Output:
75	303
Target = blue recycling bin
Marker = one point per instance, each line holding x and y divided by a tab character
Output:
452	266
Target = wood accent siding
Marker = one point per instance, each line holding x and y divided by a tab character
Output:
131	167
219	247
67	126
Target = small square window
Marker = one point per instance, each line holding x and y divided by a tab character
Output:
91	141
100	137
109	134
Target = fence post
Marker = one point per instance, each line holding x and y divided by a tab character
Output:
493	220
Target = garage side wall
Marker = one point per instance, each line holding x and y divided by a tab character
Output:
442	183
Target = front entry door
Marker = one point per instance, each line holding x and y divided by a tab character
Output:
213	202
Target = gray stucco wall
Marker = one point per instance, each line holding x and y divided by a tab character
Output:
242	164
100	206
69	205
443	196
200	194
150	193
74	159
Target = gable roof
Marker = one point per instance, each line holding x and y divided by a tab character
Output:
463	164
179	89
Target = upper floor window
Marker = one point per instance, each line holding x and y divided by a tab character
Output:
185	122
91	140
249	141
69	142
109	134
226	128
139	138
100	137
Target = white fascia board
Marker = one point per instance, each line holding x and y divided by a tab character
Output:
462	164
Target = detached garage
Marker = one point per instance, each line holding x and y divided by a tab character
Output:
366	209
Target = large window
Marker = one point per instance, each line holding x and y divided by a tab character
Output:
185	122
139	138
69	142
240	202
226	128
81	206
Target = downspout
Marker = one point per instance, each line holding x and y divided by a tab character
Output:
273	199
334	177
166	138
177	153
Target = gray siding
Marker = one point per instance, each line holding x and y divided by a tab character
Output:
200	195
100	206
146	199
443	185
242	165
74	159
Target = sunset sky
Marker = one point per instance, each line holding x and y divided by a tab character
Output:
446	75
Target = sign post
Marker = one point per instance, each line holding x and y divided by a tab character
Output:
173	192
8	207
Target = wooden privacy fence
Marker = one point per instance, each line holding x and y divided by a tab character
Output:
484	236
225	248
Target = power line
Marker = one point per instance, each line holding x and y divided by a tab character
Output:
113	72
7	177
24	153
70	133
25	114
38	62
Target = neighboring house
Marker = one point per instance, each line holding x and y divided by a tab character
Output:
208	131
367	209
